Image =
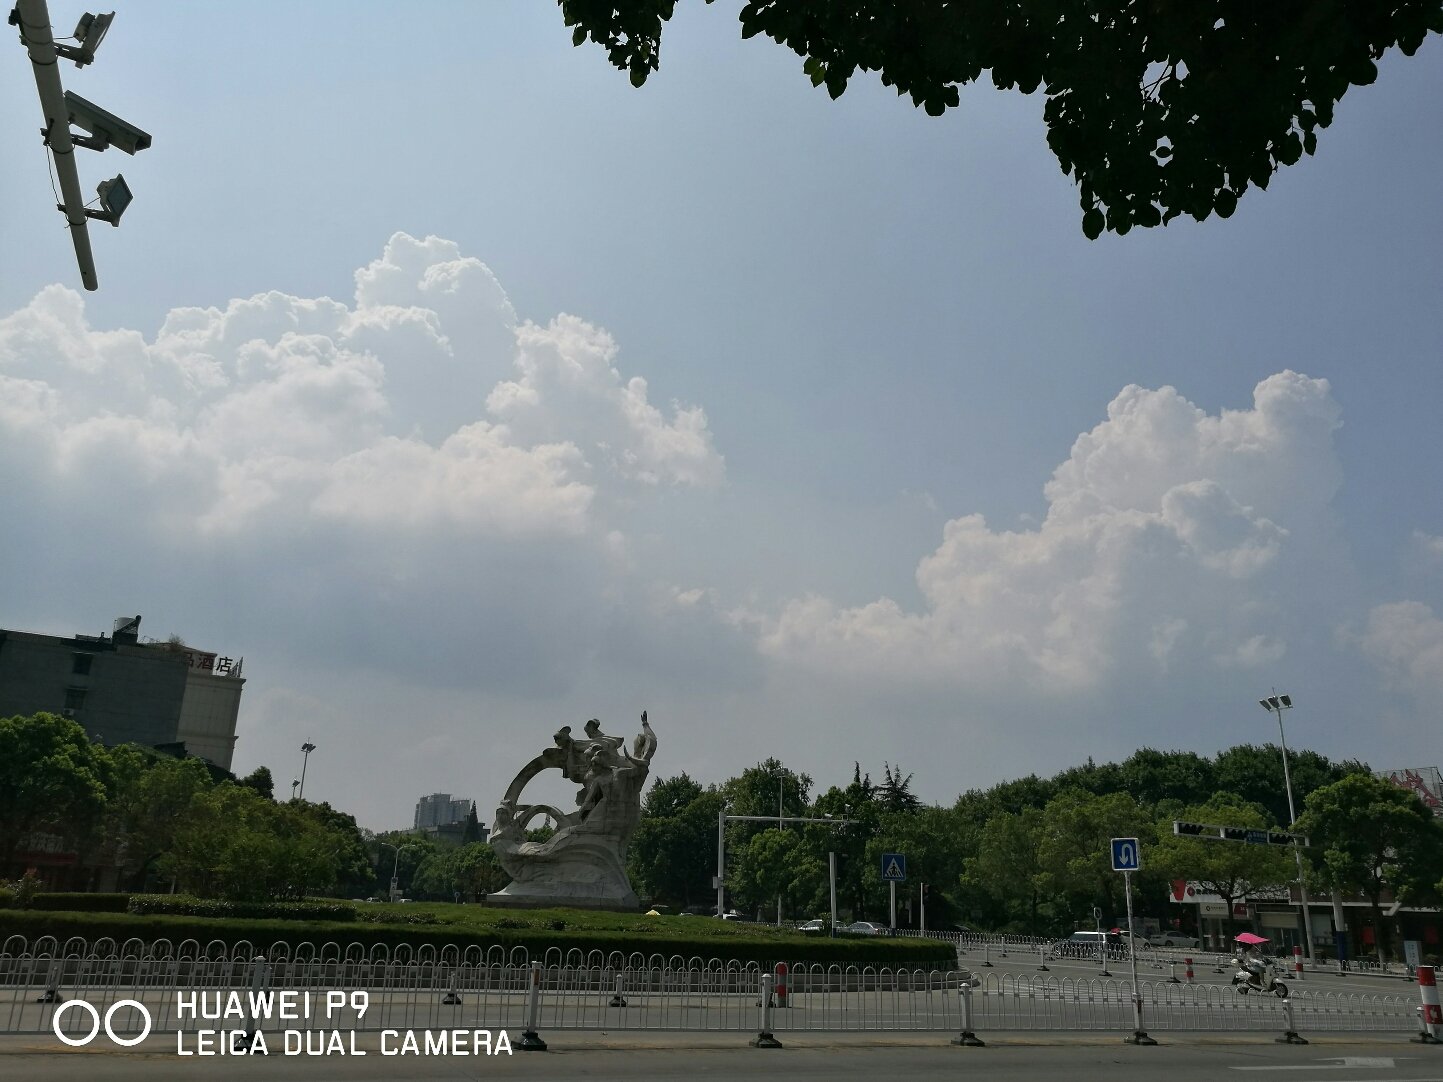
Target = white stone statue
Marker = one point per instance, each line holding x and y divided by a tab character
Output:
583	864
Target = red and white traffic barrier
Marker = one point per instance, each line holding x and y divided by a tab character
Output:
1297	962
1187	963
781	984
1432	1014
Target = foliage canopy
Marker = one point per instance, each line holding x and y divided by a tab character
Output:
1155	108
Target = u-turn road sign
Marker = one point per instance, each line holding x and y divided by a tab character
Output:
1126	855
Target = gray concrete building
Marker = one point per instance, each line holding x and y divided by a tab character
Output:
439	810
125	691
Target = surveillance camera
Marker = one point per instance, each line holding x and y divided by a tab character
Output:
105	129
89	32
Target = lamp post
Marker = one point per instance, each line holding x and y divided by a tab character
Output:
294	783
781	778
396	866
306	750
1276	704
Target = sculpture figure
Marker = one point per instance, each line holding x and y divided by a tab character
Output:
584	862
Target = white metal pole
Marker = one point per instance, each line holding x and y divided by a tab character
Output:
1139	1035
893	884
780	827
35	32
832	884
922	907
1297	853
721	867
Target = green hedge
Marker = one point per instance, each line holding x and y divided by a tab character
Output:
183	905
81	903
875	951
7	897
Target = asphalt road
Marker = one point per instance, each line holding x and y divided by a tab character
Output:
573	1055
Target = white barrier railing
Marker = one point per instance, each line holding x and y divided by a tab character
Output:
188	987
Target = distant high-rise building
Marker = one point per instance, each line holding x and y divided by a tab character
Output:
124	691
439	810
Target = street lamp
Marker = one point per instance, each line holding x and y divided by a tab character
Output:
306	750
1276	704
781	773
396	866
294	783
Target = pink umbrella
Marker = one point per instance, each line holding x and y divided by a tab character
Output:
1250	939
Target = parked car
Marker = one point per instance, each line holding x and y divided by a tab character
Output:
1174	939
865	927
1086	944
813	927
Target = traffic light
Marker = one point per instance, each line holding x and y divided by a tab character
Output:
1234	834
1179	827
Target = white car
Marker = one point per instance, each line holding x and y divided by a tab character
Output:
1174	939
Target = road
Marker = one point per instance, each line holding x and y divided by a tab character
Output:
602	1056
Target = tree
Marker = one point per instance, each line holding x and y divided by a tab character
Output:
1256	774
1155	109
261	781
1375	838
776	864
1231	870
52	780
153	805
1008	866
673	857
895	792
1075	846
670	796
1152	776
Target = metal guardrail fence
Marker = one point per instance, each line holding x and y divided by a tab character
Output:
188	987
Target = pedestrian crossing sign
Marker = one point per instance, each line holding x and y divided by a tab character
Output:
894	867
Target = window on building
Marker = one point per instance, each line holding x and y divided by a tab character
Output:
74	698
81	667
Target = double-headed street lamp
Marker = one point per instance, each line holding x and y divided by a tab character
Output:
396	866
1276	704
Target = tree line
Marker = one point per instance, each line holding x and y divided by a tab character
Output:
1032	855
1027	856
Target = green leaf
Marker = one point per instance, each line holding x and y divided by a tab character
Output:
638	76
1310	142
1225	202
1092	223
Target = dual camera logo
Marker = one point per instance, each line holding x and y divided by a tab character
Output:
96	1023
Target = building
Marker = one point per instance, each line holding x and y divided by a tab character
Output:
439	810
125	691
451	822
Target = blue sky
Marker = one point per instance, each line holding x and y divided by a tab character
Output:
437	513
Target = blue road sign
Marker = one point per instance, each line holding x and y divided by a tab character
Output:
894	867
1257	837
1126	855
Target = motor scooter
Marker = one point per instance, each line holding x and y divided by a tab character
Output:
1258	975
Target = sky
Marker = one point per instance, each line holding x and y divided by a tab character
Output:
467	391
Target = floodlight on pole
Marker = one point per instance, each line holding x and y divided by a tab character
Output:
306	750
1276	704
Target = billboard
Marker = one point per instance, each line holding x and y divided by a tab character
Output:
1423	780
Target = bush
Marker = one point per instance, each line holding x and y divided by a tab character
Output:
7	897
182	905
81	903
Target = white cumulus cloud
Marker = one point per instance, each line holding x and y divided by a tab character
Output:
1163	529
